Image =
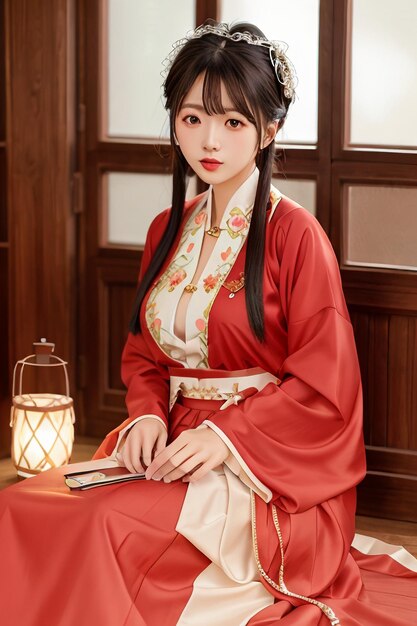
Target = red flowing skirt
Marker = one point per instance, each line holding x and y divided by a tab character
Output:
111	556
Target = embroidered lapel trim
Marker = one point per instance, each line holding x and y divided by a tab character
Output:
164	297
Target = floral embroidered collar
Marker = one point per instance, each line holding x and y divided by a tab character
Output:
164	297
236	217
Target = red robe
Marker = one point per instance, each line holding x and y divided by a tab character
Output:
302	439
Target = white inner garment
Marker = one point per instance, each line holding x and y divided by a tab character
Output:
181	313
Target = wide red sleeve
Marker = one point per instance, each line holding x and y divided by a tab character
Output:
146	380
303	438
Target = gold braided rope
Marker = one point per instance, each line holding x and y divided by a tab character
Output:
281	587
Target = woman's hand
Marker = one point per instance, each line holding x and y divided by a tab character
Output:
145	439
194	451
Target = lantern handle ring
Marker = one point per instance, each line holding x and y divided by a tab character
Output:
26	361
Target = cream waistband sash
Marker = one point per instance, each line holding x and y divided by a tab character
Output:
208	384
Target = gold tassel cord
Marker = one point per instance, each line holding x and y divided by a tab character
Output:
281	587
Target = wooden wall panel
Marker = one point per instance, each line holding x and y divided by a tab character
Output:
3	198
360	322
387	350
402	398
371	334
4	254
392	461
2	73
116	284
378	381
393	496
41	132
120	298
413	385
4	357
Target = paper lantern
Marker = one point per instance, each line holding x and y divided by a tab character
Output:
42	423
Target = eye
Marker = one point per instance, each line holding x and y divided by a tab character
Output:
191	119
234	123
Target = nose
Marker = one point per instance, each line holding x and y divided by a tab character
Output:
211	139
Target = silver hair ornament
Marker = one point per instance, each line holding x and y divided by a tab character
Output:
283	67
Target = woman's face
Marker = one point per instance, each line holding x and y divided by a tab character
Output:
229	139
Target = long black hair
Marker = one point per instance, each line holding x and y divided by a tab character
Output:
246	72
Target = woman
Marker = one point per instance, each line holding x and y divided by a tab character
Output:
244	402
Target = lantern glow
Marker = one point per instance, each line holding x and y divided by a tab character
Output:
43	432
42	423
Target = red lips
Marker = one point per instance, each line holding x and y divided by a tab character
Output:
210	164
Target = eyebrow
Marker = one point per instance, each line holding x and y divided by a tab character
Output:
200	107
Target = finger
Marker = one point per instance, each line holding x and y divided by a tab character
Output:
127	463
202	471
138	467
147	448
185	468
131	457
160	444
175	461
164	456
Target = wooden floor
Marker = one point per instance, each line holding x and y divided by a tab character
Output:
391	531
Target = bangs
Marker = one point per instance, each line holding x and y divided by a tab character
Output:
244	71
214	77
